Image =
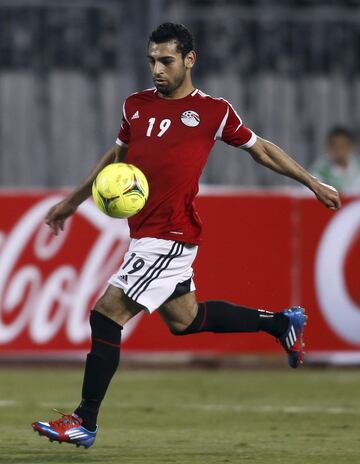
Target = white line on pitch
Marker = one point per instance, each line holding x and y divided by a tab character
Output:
8	403
271	409
264	409
45	404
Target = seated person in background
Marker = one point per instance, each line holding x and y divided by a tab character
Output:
340	166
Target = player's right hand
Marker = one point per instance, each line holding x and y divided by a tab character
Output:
328	195
58	214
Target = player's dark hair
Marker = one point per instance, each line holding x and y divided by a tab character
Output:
341	131
171	31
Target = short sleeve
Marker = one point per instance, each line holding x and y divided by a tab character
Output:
232	130
123	137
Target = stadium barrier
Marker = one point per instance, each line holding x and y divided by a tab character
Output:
262	249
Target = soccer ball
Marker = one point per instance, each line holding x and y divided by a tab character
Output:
120	190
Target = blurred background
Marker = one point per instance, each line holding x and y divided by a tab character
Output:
291	68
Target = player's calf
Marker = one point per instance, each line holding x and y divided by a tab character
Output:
101	364
224	317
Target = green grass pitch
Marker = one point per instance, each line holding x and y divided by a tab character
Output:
190	416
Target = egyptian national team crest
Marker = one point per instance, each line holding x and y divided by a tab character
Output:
190	118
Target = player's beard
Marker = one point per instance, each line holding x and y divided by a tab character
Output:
169	88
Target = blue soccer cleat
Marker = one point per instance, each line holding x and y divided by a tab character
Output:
292	340
66	429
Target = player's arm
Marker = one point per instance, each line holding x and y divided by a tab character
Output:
273	157
58	214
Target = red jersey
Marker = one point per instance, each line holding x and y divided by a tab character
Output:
170	141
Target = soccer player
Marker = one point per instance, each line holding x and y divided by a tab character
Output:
168	132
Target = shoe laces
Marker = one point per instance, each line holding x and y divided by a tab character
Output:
66	421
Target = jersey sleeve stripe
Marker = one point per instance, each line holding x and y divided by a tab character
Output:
120	143
219	132
237	115
124	113
250	142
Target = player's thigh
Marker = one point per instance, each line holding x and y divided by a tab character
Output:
117	306
179	313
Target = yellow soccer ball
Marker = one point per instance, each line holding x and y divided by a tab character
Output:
120	190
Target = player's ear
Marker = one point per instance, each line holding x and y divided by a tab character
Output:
190	59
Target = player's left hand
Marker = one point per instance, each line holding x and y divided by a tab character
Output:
328	195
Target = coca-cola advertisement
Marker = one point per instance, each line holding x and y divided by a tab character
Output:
48	283
261	250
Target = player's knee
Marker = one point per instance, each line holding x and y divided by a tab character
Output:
112	310
115	305
105	307
177	328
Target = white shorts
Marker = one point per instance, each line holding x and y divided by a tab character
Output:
154	270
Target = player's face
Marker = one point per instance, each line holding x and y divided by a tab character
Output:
168	67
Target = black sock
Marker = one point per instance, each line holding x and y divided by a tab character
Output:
101	364
224	317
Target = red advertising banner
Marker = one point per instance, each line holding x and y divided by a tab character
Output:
329	271
260	249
